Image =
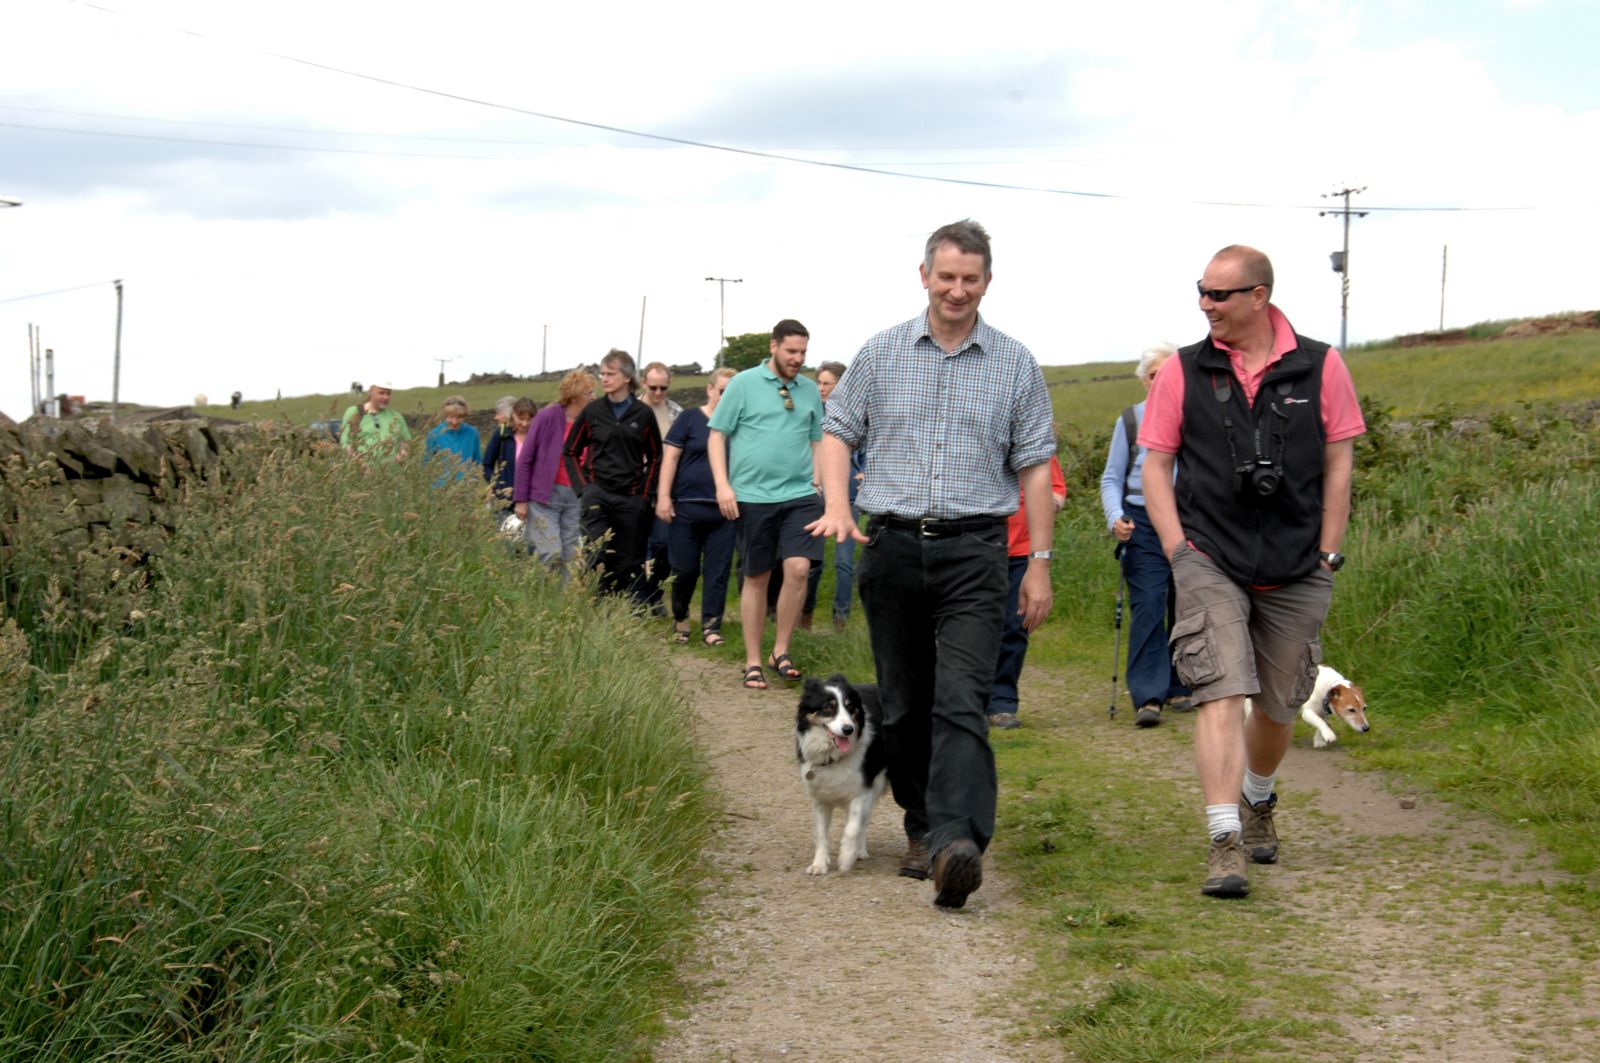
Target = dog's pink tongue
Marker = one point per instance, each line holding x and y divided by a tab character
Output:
842	742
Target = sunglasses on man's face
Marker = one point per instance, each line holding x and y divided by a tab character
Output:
657	387
1221	295
788	403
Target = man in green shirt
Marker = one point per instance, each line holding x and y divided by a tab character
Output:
371	425
762	435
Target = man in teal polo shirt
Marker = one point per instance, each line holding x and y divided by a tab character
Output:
762	436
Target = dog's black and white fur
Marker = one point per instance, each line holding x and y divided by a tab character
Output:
839	739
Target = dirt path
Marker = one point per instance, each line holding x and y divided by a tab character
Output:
1435	930
844	966
1432	927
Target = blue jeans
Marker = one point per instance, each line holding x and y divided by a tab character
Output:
844	577
844	572
656	560
1152	603
1013	644
701	539
934	616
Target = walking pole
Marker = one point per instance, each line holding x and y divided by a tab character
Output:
1116	645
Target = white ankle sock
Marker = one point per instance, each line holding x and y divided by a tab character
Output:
1222	820
1257	788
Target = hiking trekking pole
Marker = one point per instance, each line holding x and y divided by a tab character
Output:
1116	645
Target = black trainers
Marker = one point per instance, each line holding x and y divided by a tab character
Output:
1149	714
1259	836
1225	868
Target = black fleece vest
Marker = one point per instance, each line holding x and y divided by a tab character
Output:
1254	538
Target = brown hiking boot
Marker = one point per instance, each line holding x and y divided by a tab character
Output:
915	863
1259	836
957	871
1225	868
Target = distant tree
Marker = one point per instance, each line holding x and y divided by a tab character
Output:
747	350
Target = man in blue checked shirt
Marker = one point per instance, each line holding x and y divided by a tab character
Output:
953	414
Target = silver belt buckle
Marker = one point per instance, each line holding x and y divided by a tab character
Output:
924	527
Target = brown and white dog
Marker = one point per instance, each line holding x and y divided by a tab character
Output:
1332	695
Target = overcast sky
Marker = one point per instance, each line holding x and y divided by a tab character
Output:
301	194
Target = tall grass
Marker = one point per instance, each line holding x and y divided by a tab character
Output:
343	778
1468	611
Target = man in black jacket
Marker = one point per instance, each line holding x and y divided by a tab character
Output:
1261	424
613	457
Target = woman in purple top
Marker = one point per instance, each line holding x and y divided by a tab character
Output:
543	494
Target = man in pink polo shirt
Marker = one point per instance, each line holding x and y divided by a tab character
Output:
1261	423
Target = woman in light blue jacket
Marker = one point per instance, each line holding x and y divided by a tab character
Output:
1152	681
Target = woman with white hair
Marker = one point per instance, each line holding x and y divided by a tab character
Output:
1152	681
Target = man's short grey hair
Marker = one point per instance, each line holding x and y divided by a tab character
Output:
836	368
1153	353
503	404
966	235
622	362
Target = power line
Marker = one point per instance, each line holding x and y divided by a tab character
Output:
264	146
58	291
733	149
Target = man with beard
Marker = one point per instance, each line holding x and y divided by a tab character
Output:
762	435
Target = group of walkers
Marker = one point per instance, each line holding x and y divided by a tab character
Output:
1227	490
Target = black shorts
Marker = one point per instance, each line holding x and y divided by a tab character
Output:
769	532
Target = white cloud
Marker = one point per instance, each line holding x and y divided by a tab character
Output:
271	269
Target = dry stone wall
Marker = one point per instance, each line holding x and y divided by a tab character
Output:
99	480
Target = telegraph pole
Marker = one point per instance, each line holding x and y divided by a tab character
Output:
544	351
442	362
722	320
1444	268
1341	259
116	358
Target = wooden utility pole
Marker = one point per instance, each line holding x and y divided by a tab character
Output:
116	357
722	316
1444	267
1342	262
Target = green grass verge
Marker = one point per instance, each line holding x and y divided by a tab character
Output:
345	779
1134	964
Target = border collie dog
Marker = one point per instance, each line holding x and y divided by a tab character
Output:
838	738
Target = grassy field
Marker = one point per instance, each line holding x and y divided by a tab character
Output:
1482	376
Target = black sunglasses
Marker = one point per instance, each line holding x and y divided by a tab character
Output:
654	387
1221	295
788	403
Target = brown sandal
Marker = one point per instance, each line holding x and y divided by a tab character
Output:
755	678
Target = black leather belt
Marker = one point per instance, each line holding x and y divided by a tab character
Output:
929	528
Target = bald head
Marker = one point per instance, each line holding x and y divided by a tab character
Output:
1255	267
